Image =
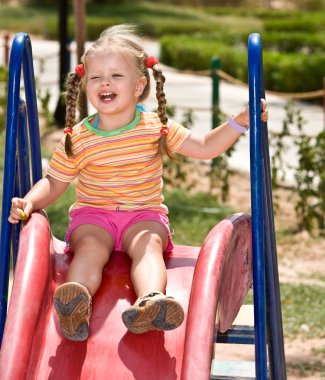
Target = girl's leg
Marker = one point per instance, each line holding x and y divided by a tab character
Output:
92	247
145	242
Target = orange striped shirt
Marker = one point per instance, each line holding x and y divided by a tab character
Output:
119	169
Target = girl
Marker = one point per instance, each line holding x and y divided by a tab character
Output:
116	155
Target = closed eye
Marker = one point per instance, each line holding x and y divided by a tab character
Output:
117	75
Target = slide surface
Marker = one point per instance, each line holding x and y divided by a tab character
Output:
32	347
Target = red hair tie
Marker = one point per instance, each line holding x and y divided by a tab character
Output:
164	130
68	131
151	62
80	70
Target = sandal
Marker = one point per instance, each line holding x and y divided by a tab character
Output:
153	311
72	303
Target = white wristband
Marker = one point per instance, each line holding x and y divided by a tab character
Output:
235	126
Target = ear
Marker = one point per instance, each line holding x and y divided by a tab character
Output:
140	86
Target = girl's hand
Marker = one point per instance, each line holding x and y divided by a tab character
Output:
20	210
265	113
242	118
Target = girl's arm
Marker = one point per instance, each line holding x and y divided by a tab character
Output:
44	193
217	141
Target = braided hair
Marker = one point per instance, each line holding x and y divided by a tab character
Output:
161	98
72	95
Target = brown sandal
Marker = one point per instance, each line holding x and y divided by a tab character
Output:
153	311
72	303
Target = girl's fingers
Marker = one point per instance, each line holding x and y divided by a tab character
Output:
19	210
28	209
23	216
265	114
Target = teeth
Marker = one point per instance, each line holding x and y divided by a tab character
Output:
107	95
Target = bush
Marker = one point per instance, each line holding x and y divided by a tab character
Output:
294	42
309	170
284	72
195	53
309	23
293	72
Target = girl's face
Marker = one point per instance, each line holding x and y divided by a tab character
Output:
112	84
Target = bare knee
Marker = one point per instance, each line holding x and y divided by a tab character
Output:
144	237
90	239
92	247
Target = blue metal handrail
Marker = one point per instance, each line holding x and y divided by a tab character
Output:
267	304
22	152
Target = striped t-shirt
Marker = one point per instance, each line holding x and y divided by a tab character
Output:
119	169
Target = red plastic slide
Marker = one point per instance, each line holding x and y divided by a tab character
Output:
218	274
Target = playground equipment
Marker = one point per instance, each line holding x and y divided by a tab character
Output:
211	281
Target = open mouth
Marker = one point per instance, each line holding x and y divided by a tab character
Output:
107	96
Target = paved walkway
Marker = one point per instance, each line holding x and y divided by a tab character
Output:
188	91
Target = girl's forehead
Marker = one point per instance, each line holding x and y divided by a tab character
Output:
110	56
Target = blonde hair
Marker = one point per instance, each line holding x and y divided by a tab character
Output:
124	38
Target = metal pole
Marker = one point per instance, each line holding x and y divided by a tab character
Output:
59	114
215	65
21	53
6	38
79	9
254	65
324	100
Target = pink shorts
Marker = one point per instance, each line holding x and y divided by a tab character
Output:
116	222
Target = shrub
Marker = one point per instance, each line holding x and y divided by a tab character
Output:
310	23
294	42
293	72
284	72
309	171
185	52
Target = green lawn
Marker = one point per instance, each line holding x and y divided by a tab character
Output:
154	19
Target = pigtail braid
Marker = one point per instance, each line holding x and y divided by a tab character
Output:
161	98
72	93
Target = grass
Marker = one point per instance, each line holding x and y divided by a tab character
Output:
32	20
307	368
154	19
316	276
58	213
303	310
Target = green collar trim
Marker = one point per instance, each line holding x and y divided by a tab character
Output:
115	132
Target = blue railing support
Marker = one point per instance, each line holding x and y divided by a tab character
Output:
267	304
254	64
16	135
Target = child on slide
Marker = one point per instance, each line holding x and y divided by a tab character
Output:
116	156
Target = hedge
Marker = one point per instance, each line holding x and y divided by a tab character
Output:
300	42
284	72
309	23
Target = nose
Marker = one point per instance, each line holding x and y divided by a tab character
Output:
105	82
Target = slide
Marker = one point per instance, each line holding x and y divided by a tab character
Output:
204	279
